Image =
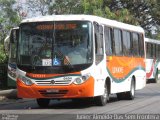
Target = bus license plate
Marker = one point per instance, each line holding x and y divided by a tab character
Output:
52	90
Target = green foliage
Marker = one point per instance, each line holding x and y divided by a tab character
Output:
3	56
66	7
39	7
101	8
8	19
145	13
157	35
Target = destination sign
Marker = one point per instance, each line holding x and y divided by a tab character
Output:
56	26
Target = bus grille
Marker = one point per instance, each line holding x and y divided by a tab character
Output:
52	82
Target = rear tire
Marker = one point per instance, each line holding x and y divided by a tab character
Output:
128	95
102	100
131	94
43	103
156	77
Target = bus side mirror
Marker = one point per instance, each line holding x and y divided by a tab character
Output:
14	35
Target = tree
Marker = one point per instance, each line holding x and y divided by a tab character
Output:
111	9
38	7
155	12
65	7
136	12
8	19
92	7
145	12
3	56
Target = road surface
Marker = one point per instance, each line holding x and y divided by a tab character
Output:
147	101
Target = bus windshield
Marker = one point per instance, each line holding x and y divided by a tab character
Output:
55	43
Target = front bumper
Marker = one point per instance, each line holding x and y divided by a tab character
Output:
65	91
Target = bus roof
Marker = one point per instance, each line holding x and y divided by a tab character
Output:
91	18
149	40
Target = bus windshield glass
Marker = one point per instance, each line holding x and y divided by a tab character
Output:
62	43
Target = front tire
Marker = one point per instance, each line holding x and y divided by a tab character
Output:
102	100
43	103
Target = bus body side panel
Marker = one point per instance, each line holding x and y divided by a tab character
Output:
122	69
152	65
150	68
158	67
100	74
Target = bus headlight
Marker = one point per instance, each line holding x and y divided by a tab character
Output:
78	81
25	80
82	79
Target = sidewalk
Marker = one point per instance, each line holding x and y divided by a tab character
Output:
10	97
10	93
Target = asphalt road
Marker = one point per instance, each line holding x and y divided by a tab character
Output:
147	101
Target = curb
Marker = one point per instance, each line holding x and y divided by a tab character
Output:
11	93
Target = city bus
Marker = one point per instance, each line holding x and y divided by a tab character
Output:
79	56
10	44
152	60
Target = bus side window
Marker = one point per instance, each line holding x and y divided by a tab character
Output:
126	43
149	50
136	47
159	51
98	32
118	42
141	41
108	40
154	52
101	49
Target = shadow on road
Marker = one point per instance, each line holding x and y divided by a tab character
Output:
74	104
54	104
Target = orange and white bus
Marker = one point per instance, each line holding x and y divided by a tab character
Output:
152	60
79	56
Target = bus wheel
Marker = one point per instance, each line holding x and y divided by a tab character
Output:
102	100
131	94
128	95
156	77
42	102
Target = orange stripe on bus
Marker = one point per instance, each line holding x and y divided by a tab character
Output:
120	66
48	75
